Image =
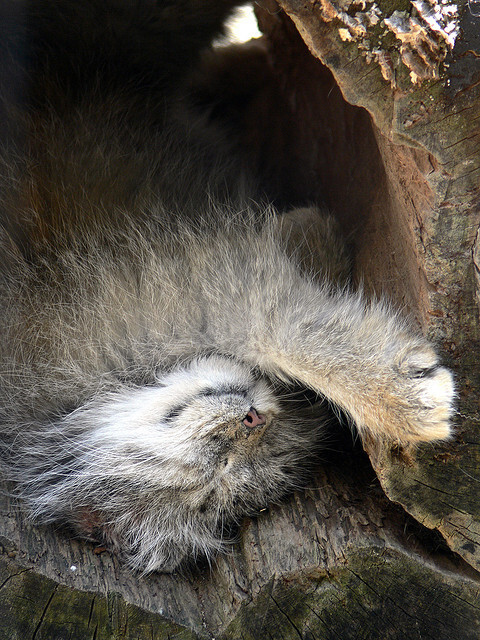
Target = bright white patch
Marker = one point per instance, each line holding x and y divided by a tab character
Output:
241	27
438	394
438	390
441	16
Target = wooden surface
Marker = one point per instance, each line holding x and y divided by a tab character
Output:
352	556
338	561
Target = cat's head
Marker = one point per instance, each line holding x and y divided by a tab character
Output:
158	470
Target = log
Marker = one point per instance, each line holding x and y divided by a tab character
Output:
338	561
375	110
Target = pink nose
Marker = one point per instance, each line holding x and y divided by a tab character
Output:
253	419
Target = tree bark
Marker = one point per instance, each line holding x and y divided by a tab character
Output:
380	119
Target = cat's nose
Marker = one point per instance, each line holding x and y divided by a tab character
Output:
254	419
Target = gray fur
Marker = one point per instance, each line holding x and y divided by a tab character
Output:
148	301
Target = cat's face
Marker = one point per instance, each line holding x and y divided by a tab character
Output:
195	422
158	471
218	410
209	432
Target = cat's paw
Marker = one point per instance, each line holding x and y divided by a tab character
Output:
427	393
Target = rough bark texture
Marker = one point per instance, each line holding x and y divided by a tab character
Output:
350	557
339	561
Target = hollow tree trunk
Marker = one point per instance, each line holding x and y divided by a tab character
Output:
350	557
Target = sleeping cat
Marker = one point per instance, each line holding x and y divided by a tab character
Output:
152	309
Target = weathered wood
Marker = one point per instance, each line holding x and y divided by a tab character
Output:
331	562
401	170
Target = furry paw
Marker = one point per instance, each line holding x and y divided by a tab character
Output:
428	394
